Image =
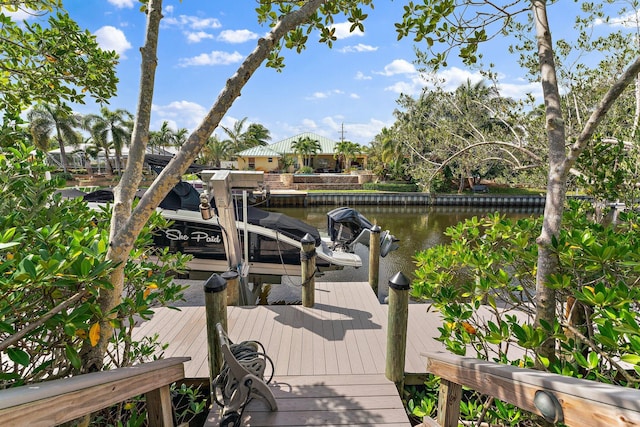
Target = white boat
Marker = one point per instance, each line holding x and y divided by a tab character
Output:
271	240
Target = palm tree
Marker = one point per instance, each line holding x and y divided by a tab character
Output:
345	151
240	139
256	135
116	124
180	137
86	152
161	138
214	152
235	140
98	143
45	119
306	148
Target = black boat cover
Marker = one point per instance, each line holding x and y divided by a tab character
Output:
157	162
284	224
185	196
182	196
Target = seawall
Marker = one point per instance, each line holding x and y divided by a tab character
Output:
303	199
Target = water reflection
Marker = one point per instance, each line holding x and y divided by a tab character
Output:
417	227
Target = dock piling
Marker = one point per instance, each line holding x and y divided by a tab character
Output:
308	270
397	328
215	298
233	286
374	258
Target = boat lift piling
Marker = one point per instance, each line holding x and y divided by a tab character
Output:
374	258
308	270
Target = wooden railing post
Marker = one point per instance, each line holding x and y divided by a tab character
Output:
215	299
449	397
374	258
397	328
308	270
159	409
233	286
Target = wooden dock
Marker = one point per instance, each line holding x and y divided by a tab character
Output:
329	359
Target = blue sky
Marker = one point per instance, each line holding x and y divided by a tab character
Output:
352	87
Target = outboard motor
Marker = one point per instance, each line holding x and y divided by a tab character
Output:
347	227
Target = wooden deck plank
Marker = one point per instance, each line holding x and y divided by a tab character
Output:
308	338
340	342
351	335
372	350
295	356
284	347
354	400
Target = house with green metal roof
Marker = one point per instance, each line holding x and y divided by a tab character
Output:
273	157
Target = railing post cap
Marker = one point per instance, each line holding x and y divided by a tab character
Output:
229	275
376	228
215	284
308	238
399	282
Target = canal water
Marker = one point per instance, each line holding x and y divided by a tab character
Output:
417	227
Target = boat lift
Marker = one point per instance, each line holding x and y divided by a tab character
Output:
222	183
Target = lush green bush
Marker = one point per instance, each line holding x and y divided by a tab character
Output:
64	176
483	284
400	187
305	170
52	267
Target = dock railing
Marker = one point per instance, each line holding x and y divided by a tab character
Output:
55	402
572	401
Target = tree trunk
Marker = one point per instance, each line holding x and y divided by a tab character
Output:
127	224
120	241
560	163
87	164
556	185
63	152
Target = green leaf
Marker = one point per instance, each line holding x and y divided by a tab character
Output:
18	356
633	359
73	357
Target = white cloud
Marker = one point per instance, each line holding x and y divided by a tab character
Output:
410	87
121	4
398	66
454	77
354	96
214	58
237	36
342	31
629	20
198	36
111	38
358	48
168	9
192	22
311	124
361	76
326	94
448	79
520	91
20	14
179	114
361	133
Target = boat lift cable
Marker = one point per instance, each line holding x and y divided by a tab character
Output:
284	267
